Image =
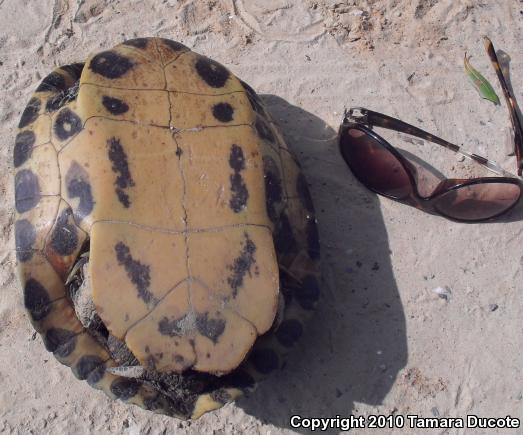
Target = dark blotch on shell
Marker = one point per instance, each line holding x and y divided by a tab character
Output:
287	287
25	237
123	197
54	82
67	124
137	43
313	240
64	238
289	332
304	194
284	237
308	293
87	364
114	105
264	131
171	328
96	375
273	187
78	186
30	113
223	112
36	299
74	70
209	327
60	341
214	74
27	190
61	98
54	103
173	45
120	167
23	149
264	360
110	64
248	88
253	98
236	158
124	388
240	194
137	272
242	265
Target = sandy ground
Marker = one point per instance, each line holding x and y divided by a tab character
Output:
382	341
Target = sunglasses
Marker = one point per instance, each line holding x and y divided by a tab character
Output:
385	171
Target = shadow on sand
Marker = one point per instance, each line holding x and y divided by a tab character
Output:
356	344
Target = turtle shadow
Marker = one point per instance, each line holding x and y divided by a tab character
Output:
356	343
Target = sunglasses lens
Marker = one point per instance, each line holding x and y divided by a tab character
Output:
478	201
374	165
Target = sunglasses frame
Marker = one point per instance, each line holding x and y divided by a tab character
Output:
414	198
363	120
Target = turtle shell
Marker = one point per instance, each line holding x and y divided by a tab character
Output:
203	248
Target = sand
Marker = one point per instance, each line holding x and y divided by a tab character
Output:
382	341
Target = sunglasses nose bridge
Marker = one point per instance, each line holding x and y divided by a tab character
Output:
447	184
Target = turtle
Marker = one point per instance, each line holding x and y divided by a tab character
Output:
165	234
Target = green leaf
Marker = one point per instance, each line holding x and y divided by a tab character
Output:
481	84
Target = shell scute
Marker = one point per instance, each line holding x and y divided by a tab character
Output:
111	173
124	67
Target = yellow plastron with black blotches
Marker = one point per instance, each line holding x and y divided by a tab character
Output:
203	253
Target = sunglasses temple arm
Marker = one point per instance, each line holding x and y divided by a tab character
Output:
385	121
511	104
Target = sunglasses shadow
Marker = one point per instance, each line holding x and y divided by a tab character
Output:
355	344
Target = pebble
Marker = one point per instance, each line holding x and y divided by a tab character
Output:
443	292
